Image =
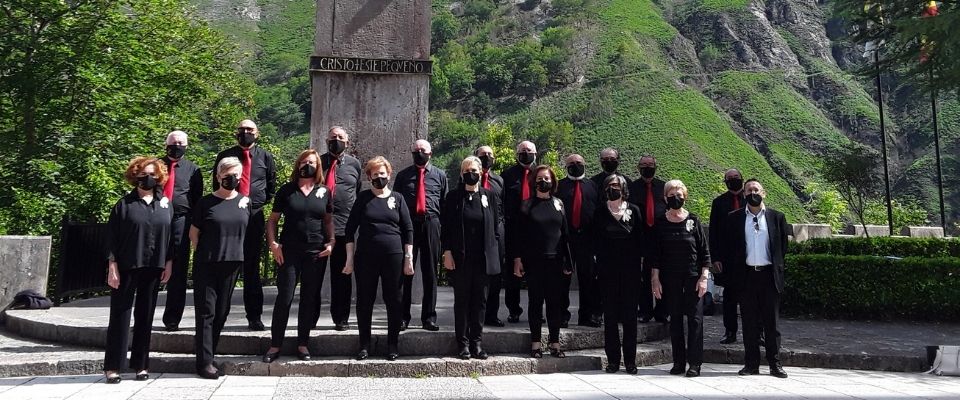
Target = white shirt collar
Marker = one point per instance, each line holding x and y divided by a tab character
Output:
763	209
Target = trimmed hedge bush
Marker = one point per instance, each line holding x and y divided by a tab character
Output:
869	287
880	246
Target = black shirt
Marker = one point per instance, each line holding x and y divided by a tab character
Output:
263	174
302	215
138	234
187	185
473	224
618	240
602	176
223	225
496	183
638	196
348	185
384	224
436	189
512	191
589	202
542	229
679	247
722	205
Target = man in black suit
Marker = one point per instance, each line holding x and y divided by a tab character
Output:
756	240
516	189
731	278
491	181
647	193
580	198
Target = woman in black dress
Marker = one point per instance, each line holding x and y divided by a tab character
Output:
219	225
618	232
301	254
382	252
140	257
539	251
471	244
680	268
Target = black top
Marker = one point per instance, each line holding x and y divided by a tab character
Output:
512	184
722	205
348	185
496	183
638	196
679	247
472	213
138	234
436	189
384	224
263	174
598	181
619	242
187	185
302	215
472	227
542	230
589	202
222	224
733	245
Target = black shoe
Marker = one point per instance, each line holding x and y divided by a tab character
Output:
477	352
141	376
590	323
363	354
431	326
464	354
557	352
270	357
777	371
303	356
730	337
632	369
513	318
171	327
749	371
536	353
676	370
209	372
564	324
612	368
494	322
113	379
255	325
342	326
403	325
693	372
392	353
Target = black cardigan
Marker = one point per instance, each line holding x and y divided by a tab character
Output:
452	233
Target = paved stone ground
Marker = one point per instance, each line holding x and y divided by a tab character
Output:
717	382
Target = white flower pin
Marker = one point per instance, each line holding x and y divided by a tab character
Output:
392	203
557	204
689	225
322	191
243	202
164	202
483	201
627	214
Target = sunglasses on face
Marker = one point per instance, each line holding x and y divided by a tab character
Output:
756	224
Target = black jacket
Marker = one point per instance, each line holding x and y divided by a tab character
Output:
722	205
638	196
452	236
733	245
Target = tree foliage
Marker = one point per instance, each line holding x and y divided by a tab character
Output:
853	172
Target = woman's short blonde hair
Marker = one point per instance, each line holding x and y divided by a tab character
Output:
375	164
469	161
228	163
675	184
137	164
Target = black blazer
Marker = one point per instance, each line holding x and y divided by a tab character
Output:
722	205
452	237
733	245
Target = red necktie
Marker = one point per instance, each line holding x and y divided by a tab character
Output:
650	203
486	179
525	186
168	187
245	177
577	204
331	180
736	202
422	194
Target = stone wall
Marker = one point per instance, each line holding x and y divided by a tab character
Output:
24	264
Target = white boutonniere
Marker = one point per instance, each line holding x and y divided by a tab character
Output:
557	204
322	191
627	214
164	202
392	203
483	201
244	201
689	225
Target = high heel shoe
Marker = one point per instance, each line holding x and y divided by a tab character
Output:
676	370
612	368
693	372
303	355
142	376
537	352
270	357
557	352
112	378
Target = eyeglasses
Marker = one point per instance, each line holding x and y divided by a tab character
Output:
756	225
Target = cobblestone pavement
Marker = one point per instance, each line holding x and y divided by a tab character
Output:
717	382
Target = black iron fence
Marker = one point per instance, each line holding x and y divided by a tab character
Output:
83	259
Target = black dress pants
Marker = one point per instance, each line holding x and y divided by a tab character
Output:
760	303
731	299
620	282
253	244
590	297
510	284
426	253
544	284
177	285
303	265
469	281
213	285
137	292
387	270
341	286
680	292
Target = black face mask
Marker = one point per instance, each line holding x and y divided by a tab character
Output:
420	158
146	182
336	146
230	182
486	161
609	166
544	186
246	139
175	151
734	184
575	170
648	172
526	158
614	194
470	178
754	199
674	202
308	171
379	182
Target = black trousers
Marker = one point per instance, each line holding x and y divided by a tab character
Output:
302	265
587	279
177	285
213	285
619	282
341	286
760	303
649	306
470	282
731	299
680	292
387	270
511	292
253	244
137	292
544	284
426	253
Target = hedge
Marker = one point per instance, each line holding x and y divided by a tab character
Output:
880	246
869	287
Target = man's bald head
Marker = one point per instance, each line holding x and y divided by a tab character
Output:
609	153
338	133
573	159
732	173
483	150
422	146
176	138
526	146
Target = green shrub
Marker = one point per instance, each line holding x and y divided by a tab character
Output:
880	246
865	287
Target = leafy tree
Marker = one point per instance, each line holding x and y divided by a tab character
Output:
853	171
443	28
